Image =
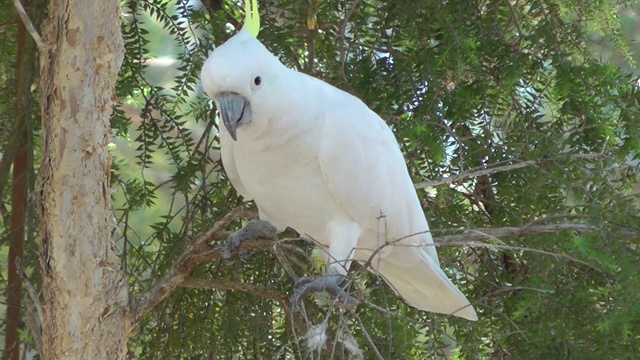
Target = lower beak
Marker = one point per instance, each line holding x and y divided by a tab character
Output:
235	110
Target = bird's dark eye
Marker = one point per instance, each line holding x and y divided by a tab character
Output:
257	81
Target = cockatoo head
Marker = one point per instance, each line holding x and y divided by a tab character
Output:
238	74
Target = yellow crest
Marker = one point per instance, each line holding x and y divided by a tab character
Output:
252	17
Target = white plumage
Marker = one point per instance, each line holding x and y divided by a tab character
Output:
318	160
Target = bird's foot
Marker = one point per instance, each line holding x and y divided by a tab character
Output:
254	229
328	283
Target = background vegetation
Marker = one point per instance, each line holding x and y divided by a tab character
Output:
520	116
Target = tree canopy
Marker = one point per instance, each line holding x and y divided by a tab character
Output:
519	124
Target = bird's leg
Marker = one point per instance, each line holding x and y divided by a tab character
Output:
343	238
253	230
329	283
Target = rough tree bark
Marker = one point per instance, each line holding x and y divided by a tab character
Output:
86	299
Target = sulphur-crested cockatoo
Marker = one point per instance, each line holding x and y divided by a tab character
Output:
318	160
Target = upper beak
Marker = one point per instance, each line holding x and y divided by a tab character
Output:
235	111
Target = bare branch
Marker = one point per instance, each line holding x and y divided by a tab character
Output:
473	173
286	264
201	251
341	38
7	159
514	17
487	233
372	343
28	24
245	287
35	326
531	250
499	169
31	290
34	318
237	286
470	236
196	253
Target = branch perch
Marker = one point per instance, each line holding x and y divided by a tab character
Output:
196	253
200	251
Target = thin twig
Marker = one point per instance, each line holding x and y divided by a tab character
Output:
372	344
286	264
237	286
7	159
196	253
499	169
532	250
245	287
35	326
28	24
487	233
31	290
515	19
341	38
474	173
471	235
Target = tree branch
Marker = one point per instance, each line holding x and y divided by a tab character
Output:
35	326
498	169
471	235
29	25
473	173
234	285
31	290
488	233
341	38
35	311
7	159
246	287
197	252
200	251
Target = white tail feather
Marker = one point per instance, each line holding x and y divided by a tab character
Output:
422	284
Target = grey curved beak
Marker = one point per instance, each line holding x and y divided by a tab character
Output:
235	111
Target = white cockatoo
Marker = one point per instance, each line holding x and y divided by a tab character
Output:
318	160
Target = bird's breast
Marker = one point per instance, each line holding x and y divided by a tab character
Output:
288	186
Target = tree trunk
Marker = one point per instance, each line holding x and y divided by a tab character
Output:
86	301
22	139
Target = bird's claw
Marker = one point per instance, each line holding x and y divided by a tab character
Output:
328	283
254	229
